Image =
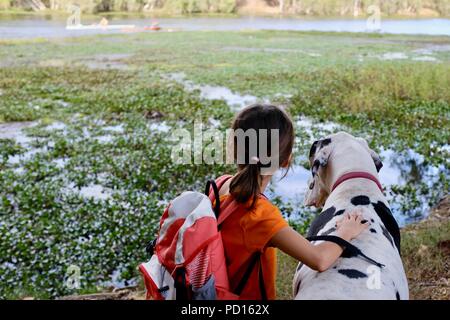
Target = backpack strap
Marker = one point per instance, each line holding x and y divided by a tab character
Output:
262	286
222	179
230	206
209	184
251	266
213	196
180	284
349	249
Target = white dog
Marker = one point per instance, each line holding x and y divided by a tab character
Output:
345	176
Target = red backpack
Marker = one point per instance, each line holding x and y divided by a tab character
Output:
187	258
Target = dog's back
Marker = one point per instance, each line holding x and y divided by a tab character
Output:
355	278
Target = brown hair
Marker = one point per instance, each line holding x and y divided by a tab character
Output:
245	185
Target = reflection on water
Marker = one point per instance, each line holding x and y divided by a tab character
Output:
13	130
49	27
234	100
94	191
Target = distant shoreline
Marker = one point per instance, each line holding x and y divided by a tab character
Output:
38	25
163	14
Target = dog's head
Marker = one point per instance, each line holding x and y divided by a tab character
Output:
341	152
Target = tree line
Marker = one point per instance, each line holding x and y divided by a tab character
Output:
297	7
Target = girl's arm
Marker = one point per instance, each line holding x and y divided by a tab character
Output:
318	257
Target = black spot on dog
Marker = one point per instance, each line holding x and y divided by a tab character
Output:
325	142
389	222
300	265
313	149
371	220
373	230
338	213
397	295
297	287
387	234
380	206
320	221
360	201
328	231
352	273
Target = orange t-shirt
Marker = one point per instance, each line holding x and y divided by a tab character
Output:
246	232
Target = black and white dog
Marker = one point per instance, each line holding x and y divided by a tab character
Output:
345	176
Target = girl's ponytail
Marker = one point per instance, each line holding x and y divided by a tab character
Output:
245	185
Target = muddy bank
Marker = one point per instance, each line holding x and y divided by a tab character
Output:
132	293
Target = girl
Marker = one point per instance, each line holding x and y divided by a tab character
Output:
256	227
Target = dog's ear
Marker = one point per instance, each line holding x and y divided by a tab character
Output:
319	154
318	159
311	193
315	194
375	157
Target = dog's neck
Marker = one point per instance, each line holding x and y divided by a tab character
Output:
356	175
343	195
350	161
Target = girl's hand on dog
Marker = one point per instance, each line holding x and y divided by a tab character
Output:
351	225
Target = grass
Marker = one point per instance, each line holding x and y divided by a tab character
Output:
286	266
426	255
47	224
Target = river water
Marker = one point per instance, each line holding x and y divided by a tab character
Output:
47	26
